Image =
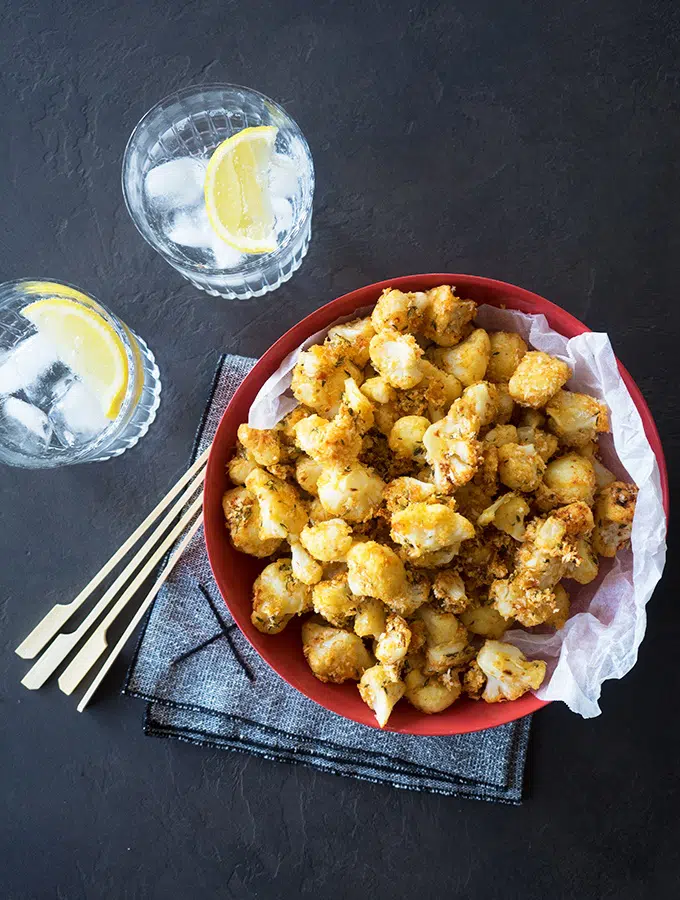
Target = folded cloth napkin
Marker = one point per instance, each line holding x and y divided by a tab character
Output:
205	684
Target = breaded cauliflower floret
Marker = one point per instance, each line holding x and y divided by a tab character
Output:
406	437
434	559
263	446
328	541
355	408
520	598
397	358
537	378
507	514
428	527
603	476
400	492
576	419
307	471
584	567
505	404
507	350
370	619
577	518
305	568
333	600
352	339
328	441
242	515
561	608
399	311
430	693
385	416
285	427
332	654
446	640
545	443
352	492
520	467
614	511
484	621
375	571
415	591
467	360
473	681
441	389
318	513
530	418
567	479
502	434
393	644
319	378
452	448
449	588
278	596
378	390
486	476
446	316
508	673
545	550
239	468
282	509
380	692
482	398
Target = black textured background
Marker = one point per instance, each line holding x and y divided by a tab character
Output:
534	142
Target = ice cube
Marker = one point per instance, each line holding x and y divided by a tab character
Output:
26	363
77	417
177	183
283	211
192	229
24	426
283	176
49	386
226	256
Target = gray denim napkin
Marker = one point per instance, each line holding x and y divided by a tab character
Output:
205	684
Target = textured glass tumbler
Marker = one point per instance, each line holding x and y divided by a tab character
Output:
48	417
184	129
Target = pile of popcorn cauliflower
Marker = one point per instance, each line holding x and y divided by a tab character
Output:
435	487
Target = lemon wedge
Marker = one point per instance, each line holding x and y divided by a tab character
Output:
237	196
86	343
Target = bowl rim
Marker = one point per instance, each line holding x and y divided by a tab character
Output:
526	301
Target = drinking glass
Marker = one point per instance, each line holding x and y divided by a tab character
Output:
48	415
163	178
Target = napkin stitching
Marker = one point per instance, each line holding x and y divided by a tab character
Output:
207	740
401	767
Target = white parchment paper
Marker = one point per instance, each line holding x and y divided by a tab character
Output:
601	639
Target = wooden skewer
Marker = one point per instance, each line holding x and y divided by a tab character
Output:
136	619
63	644
97	643
55	619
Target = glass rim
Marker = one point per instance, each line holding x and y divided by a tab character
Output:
255	259
122	331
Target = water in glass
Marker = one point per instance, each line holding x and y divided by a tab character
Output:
163	182
49	415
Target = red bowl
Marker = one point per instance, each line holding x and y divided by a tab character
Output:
234	572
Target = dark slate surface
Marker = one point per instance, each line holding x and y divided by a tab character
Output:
533	142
